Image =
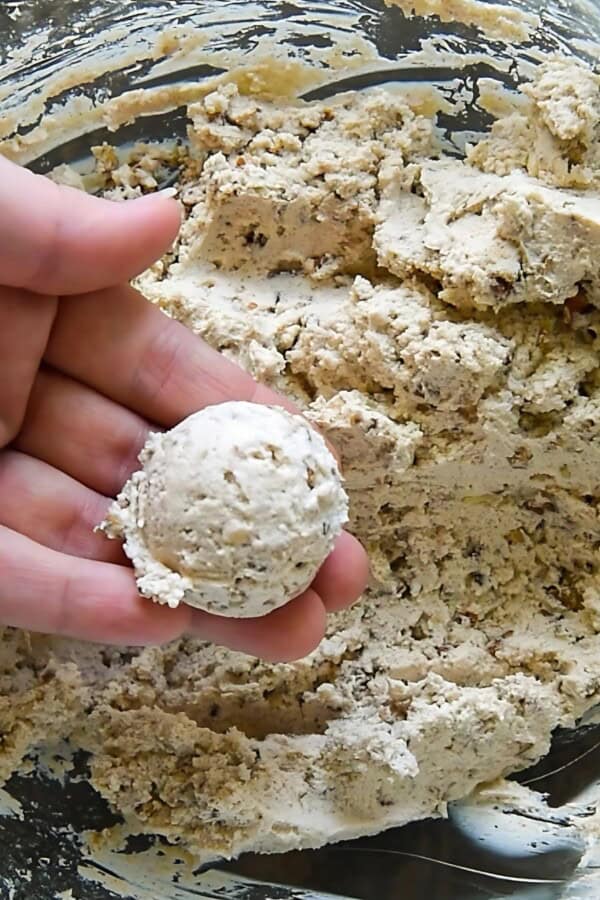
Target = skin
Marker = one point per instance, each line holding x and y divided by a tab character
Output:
88	367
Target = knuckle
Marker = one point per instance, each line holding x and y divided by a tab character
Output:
6	476
63	535
77	525
10	424
125	453
63	592
46	259
157	365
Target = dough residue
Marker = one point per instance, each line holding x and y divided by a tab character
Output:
439	321
494	19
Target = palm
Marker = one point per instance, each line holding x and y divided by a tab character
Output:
85	377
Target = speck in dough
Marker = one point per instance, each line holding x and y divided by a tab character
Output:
234	510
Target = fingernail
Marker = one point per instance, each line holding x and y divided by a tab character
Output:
167	192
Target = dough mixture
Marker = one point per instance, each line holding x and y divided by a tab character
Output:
439	320
233	512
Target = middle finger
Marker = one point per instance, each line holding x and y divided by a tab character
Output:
123	346
75	429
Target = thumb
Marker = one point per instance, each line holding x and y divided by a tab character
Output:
58	240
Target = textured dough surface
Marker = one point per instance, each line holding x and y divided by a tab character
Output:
467	414
233	511
490	240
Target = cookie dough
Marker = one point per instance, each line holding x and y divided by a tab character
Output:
458	374
490	240
233	512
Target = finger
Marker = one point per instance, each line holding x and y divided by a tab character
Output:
45	591
344	575
58	240
25	323
290	632
53	509
83	433
120	344
79	431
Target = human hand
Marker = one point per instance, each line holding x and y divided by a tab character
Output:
87	370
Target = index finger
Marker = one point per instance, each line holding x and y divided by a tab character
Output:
58	240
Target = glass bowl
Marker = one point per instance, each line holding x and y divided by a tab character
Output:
67	69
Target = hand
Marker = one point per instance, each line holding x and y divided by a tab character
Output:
87	370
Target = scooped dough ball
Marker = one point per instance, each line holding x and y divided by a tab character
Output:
234	510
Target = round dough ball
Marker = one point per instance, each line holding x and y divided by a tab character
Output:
234	510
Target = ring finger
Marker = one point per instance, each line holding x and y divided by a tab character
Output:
53	509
